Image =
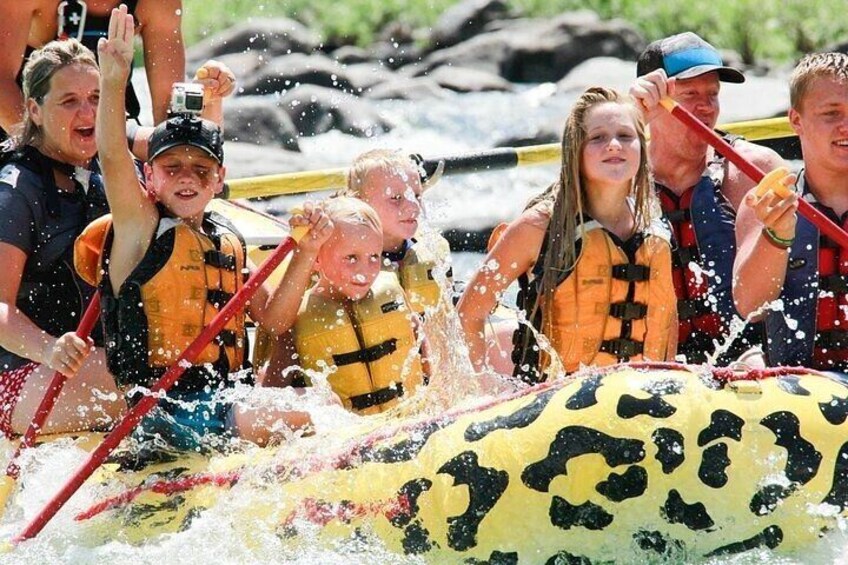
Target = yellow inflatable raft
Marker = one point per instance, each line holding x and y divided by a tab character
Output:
663	459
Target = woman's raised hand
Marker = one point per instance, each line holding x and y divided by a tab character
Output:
116	52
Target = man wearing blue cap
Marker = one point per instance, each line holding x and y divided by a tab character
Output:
699	190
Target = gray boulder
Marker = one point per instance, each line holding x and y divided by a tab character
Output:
464	79
402	88
316	110
272	37
286	72
350	55
465	20
365	76
250	119
599	71
838	48
540	50
395	55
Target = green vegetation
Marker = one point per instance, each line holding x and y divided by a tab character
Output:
773	30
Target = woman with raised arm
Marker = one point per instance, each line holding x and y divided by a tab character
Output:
50	188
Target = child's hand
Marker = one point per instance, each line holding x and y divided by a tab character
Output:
217	79
116	52
319	224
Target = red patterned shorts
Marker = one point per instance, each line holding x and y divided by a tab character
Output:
11	383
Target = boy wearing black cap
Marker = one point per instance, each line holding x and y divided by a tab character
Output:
699	190
169	266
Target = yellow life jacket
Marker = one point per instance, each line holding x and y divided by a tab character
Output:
612	307
415	272
370	341
184	280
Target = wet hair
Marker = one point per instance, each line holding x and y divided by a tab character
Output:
567	195
38	71
811	67
352	211
383	160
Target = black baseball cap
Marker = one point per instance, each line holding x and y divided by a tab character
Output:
182	130
683	56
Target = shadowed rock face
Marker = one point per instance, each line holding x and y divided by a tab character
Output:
289	71
465	20
252	120
535	50
315	110
271	37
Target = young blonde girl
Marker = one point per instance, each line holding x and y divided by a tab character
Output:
594	258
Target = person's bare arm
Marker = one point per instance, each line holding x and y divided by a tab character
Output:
738	183
21	336
514	253
218	82
134	216
164	53
275	309
759	269
14	32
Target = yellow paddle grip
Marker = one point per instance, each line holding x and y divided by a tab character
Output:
298	232
668	103
774	181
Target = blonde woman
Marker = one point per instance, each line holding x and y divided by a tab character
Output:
595	258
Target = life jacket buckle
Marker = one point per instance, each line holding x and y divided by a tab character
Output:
628	310
631	272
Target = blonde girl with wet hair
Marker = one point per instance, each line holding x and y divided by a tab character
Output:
591	251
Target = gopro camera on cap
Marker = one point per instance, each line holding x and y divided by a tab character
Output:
186	99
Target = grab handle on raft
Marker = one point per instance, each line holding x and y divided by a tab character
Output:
147	402
822	222
7	483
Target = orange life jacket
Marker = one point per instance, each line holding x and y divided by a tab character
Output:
185	278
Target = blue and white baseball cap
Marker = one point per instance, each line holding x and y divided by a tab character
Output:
683	56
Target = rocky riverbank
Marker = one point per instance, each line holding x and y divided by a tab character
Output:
292	86
480	78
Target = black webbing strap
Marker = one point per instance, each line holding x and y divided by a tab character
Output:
368	354
376	397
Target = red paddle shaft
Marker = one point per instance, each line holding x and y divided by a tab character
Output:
134	416
825	225
86	325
